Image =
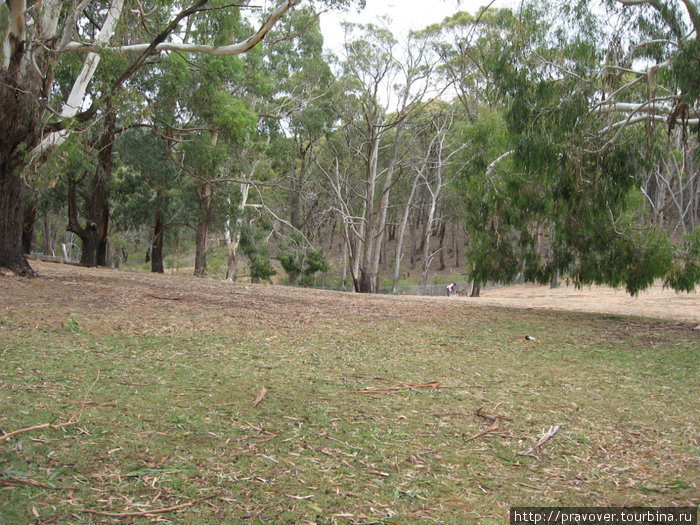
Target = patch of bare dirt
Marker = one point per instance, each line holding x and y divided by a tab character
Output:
133	302
655	302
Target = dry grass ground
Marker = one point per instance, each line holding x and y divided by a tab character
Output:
657	301
174	399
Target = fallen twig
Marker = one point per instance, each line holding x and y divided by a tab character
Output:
72	420
398	387
543	439
33	483
491	417
146	512
496	423
53	426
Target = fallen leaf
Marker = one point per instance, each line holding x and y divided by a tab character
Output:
260	397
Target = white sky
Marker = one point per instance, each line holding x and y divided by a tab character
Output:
405	15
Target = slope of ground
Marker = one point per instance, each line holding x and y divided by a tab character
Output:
139	398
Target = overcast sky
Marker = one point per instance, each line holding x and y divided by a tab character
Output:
405	15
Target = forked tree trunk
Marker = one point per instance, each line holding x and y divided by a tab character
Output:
93	235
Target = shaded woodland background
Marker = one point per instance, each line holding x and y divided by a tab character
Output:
555	142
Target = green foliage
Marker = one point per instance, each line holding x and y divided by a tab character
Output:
297	261
73	326
145	180
315	262
260	267
686	68
685	272
233	118
257	253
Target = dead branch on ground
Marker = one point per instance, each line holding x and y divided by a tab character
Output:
495	420
72	420
11	481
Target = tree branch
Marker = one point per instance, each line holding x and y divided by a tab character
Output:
229	50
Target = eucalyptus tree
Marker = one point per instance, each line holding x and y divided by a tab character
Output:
146	188
38	37
584	116
440	146
383	90
294	116
482	57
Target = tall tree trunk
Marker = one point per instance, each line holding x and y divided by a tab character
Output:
20	86
233	234
204	193
455	245
427	258
476	288
157	245
333	224
28	226
11	219
368	279
100	188
401	232
441	248
48	232
414	238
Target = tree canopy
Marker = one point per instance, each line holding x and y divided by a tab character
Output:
556	140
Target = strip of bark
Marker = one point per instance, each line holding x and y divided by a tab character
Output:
543	439
33	483
260	397
146	512
398	387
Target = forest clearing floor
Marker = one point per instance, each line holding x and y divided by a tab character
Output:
656	301
141	398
